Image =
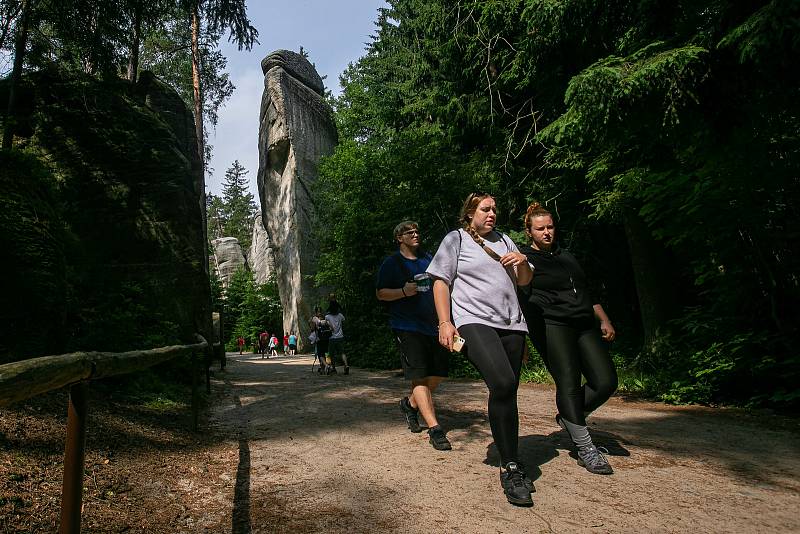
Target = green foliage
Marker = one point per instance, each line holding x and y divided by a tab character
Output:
681	115
96	37
166	51
233	213
123	320
250	308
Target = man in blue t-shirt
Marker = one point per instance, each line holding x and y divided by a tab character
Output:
406	288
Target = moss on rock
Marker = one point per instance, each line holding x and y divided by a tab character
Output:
117	175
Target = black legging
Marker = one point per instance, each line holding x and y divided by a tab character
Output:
498	356
572	351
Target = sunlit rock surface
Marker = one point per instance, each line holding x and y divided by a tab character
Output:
296	130
260	259
228	258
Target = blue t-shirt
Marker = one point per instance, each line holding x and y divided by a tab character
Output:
293	340
413	314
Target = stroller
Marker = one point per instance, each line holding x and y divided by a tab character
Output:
321	357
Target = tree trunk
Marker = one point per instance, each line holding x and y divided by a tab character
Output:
198	102
655	281
16	75
133	61
198	120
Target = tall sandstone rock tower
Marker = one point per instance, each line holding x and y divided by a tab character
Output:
296	129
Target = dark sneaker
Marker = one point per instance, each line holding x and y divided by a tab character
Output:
438	439
346	370
593	460
512	480
526	479
411	415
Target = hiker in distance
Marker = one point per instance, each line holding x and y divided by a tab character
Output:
336	347
405	287
476	274
562	315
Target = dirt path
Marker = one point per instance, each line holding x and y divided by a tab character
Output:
332	454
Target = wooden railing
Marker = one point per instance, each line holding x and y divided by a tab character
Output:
28	378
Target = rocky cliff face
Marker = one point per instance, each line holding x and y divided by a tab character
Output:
296	129
228	258
260	259
124	195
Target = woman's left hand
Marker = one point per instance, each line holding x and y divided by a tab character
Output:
608	331
513	259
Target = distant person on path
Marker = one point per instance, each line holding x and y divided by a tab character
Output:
477	271
403	284
240	344
322	330
285	344
312	338
562	315
336	347
273	345
292	344
263	342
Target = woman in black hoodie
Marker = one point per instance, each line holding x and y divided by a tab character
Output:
561	313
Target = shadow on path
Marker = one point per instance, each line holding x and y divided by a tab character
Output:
240	517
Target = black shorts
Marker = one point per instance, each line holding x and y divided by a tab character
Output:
421	355
336	347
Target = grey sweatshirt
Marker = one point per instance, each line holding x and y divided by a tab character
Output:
481	289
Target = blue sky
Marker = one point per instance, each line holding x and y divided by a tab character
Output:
333	32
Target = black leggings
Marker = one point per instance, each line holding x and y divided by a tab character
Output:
570	352
498	356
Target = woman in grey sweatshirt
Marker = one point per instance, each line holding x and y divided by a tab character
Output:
476	272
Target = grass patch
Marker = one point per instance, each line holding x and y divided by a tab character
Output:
154	390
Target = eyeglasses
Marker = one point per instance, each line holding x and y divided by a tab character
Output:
411	232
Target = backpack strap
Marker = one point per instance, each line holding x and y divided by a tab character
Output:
458	253
503	237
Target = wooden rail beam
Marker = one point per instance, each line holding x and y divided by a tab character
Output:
28	378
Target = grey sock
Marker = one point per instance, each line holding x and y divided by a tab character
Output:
579	433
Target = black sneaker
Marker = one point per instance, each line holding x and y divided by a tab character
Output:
593	460
411	415
526	479
512	480
438	439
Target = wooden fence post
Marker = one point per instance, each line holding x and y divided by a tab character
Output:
74	455
195	400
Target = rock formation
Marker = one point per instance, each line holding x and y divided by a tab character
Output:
107	248
296	129
228	258
260	258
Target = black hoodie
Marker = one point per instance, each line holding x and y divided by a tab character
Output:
559	291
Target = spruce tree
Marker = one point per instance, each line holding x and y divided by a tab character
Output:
238	206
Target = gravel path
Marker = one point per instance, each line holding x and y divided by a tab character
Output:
311	453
